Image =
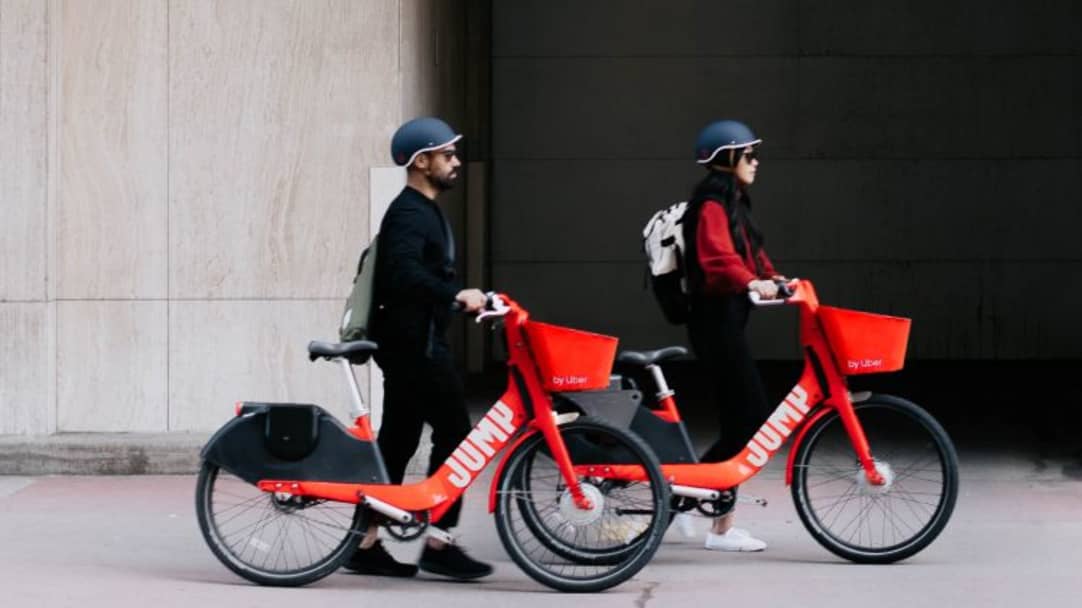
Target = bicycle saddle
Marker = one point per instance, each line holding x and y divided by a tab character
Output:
357	351
650	357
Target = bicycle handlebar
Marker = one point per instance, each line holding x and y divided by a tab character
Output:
758	300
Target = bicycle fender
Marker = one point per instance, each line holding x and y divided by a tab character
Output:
243	448
503	463
808	423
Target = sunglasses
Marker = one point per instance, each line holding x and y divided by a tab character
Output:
751	155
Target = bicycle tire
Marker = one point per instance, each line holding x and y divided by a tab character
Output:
884	418
579	568
582	554
334	532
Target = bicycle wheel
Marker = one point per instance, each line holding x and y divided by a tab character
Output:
272	539
553	531
876	524
571	549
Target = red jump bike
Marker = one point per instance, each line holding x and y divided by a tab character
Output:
286	491
874	478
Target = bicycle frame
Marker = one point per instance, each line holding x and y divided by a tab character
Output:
821	388
523	409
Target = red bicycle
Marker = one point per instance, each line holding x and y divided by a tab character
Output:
874	478
286	491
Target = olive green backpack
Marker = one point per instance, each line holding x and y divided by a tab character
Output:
356	320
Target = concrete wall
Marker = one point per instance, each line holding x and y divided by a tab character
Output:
920	158
184	192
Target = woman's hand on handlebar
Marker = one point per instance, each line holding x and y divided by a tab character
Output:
472	300
767	289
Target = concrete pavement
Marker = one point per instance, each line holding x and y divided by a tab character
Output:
88	541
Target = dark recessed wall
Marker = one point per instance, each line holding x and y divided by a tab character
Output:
921	158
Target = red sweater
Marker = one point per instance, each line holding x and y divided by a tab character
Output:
725	270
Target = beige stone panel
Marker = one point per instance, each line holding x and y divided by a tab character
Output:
433	60
23	149
417	58
111	204
278	109
111	366
26	403
227	351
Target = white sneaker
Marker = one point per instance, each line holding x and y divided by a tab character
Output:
685	523
735	539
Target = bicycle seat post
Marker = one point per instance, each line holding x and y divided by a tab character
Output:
358	407
663	390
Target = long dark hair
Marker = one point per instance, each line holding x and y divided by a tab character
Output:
721	186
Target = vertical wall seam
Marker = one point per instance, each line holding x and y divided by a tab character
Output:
53	50
398	72
799	73
168	209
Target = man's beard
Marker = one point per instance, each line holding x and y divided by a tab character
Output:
443	183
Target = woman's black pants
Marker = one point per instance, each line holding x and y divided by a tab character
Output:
716	332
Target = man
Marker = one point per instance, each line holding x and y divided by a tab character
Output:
415	290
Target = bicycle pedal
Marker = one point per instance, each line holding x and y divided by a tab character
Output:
752	500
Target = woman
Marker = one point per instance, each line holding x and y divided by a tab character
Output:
726	261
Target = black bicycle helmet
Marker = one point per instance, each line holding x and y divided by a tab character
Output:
722	135
420	135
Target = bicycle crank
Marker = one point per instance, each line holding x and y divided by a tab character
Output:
408	531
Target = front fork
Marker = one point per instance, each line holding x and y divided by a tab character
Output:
844	404
832	381
551	432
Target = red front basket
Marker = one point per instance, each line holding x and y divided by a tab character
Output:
569	359
865	343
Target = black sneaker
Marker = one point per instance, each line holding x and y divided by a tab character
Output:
375	560
452	561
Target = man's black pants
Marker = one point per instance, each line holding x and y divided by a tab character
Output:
419	390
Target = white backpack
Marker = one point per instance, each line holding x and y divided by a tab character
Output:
663	243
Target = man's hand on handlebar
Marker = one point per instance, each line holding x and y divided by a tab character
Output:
472	300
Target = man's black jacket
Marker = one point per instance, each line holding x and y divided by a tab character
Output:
415	282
